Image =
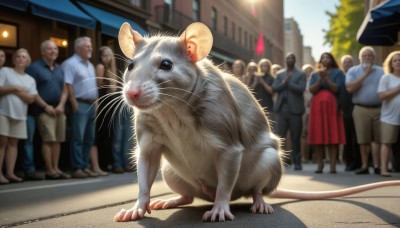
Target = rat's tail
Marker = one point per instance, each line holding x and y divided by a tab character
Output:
289	194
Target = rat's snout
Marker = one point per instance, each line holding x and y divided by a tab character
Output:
133	94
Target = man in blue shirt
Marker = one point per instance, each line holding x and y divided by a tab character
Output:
80	78
362	81
48	110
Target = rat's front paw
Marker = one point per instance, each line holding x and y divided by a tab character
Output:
135	213
221	210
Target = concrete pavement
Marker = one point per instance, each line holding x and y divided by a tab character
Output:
94	202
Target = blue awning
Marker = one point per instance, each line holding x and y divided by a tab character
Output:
62	10
381	25
110	23
21	5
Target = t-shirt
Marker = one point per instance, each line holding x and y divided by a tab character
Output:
49	84
11	105
367	93
81	76
390	111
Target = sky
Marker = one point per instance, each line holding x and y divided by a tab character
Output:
312	19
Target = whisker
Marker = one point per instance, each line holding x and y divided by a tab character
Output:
164	82
121	57
120	72
102	100
177	99
180	90
111	79
119	109
164	103
110	87
109	106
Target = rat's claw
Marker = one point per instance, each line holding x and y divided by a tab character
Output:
221	211
129	215
118	217
136	212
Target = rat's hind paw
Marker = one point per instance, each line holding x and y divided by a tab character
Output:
260	206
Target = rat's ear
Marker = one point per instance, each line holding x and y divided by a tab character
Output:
128	39
198	40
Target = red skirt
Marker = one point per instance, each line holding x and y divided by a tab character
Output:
326	120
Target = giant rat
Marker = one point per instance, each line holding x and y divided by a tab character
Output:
215	138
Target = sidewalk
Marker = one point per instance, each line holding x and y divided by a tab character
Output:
94	202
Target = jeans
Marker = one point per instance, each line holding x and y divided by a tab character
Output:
293	123
82	136
28	160
123	139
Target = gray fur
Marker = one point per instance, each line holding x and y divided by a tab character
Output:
204	122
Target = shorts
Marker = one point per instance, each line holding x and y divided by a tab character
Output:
389	133
52	128
13	128
367	123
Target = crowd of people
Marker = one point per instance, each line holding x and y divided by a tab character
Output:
331	112
49	98
336	112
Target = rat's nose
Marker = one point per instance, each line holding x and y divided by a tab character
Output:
133	94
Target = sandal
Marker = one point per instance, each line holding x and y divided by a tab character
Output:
14	180
64	175
6	181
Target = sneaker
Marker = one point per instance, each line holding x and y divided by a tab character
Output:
362	171
90	173
79	174
34	176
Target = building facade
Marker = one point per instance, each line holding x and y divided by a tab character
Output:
307	55
235	24
294	40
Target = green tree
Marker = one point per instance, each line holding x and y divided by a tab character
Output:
344	24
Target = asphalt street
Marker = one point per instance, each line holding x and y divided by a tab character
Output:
94	202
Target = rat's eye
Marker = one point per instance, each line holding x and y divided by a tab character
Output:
131	65
166	65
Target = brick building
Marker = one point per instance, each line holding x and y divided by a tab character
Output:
235	24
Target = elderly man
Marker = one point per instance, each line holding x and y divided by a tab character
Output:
49	111
80	78
362	81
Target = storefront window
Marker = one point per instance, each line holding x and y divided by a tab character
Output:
8	35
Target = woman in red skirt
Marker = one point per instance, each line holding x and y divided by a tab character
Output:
326	120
